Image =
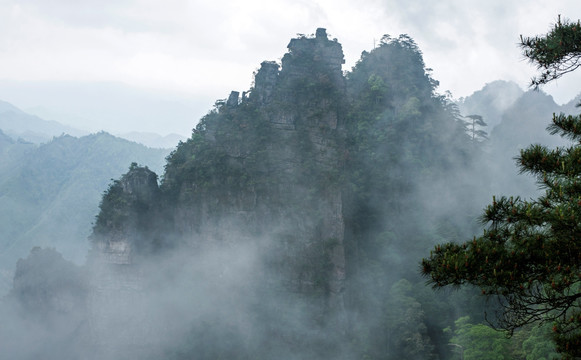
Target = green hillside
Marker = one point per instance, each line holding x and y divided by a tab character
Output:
49	194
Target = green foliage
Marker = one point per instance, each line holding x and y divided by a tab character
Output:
474	127
393	70
538	344
113	212
469	340
398	129
222	156
129	212
529	256
231	148
556	53
49	194
479	342
407	332
395	115
402	137
377	145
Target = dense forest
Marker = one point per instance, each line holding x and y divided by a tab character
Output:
292	224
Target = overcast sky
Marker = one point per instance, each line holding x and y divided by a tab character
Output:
197	51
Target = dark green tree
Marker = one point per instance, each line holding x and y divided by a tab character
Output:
529	258
537	345
407	334
556	53
478	341
474	127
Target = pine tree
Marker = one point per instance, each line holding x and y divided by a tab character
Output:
529	258
557	53
476	133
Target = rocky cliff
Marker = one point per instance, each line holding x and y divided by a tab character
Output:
121	326
260	170
277	224
277	151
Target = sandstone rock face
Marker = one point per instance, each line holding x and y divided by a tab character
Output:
120	325
141	184
300	208
264	82
312	80
278	152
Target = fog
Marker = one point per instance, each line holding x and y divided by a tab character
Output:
290	225
195	52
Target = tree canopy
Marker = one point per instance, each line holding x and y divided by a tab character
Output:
476	132
556	53
530	255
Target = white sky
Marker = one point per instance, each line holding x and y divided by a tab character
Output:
201	50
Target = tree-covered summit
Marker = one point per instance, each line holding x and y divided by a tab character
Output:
296	207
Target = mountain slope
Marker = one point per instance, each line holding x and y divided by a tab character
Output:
153	140
287	206
49	193
491	101
18	124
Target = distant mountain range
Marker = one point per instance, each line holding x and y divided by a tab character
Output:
491	101
111	106
516	119
51	180
19	124
153	140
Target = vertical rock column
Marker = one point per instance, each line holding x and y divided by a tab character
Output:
120	323
311	79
